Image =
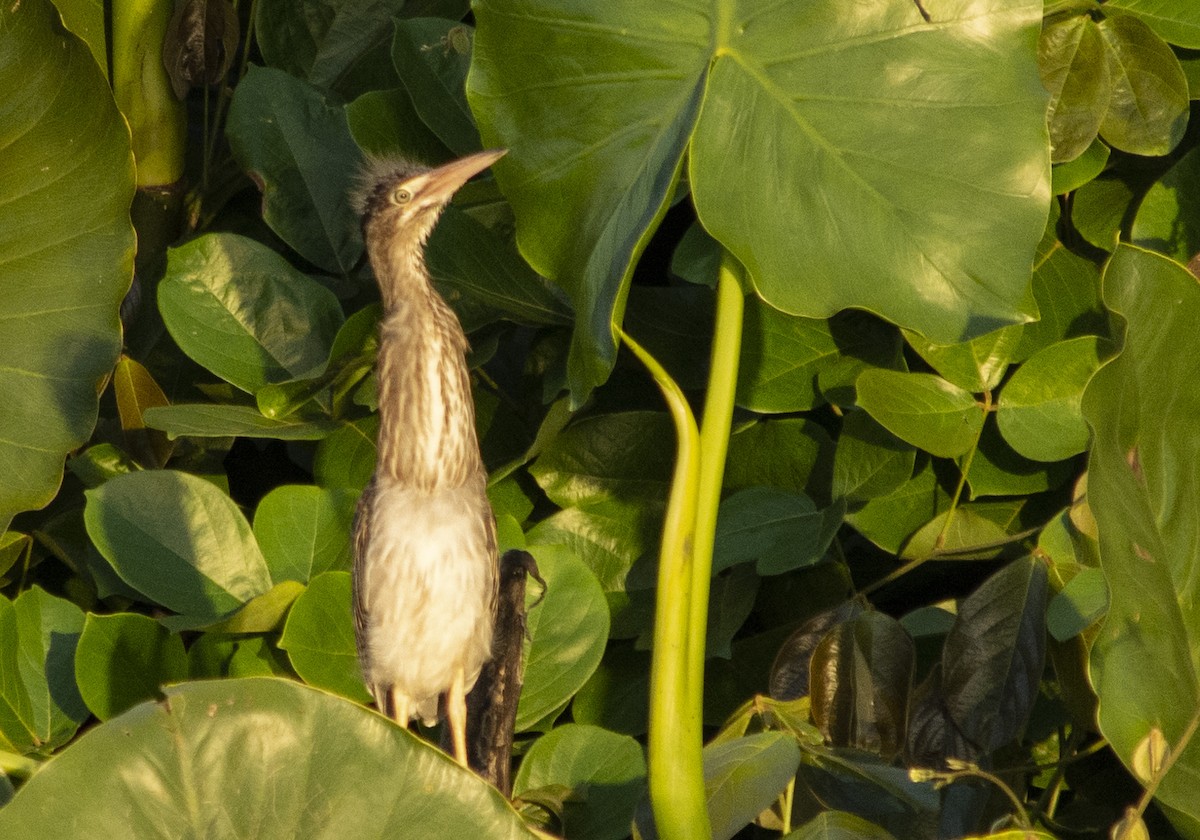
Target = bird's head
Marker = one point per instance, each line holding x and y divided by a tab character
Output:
400	200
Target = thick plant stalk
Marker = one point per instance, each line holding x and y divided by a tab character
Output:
676	771
157	120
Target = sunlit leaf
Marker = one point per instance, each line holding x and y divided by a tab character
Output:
319	637
66	248
249	758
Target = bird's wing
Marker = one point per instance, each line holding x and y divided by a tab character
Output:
362	527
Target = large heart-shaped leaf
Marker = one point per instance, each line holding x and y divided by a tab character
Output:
809	128
259	757
1144	490
66	248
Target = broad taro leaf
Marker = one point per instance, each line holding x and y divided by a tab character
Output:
860	680
296	145
994	655
249	758
809	127
1144	490
66	248
1175	21
432	56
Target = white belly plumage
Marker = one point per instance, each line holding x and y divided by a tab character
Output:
439	575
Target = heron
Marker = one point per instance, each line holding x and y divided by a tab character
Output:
425	559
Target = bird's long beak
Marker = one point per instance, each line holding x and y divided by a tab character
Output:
443	182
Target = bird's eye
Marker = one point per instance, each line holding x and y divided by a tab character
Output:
401	196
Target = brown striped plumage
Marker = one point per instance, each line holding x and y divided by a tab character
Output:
425	564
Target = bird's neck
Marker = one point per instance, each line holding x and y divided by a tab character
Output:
427	434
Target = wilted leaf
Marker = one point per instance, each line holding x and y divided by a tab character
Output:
994	655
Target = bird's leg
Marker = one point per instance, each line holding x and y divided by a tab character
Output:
397	706
456	716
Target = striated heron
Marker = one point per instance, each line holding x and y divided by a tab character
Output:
425	562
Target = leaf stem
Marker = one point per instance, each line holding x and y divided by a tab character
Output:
676	764
965	469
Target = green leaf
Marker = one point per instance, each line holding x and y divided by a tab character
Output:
976	365
869	461
675	324
1039	412
178	540
66	248
778	529
346	458
567	631
432	56
993	657
1080	604
608	456
1143	489
922	409
1175	21
998	470
1067	290
470	261
304	530
384	122
609	536
890	520
17	728
605	772
216	655
240	310
839	825
731	599
790	453
616	696
1068	177
860	680
124	659
781	358
297	147
212	420
319	637
321	41
49	629
743	777
261	614
249	758
591	188
971	534
1073	63
1166	221
1148	111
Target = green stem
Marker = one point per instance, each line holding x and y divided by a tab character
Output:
685	569
714	444
965	469
676	772
142	89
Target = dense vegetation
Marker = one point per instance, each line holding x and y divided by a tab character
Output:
836	362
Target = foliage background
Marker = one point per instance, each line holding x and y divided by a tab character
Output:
957	525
